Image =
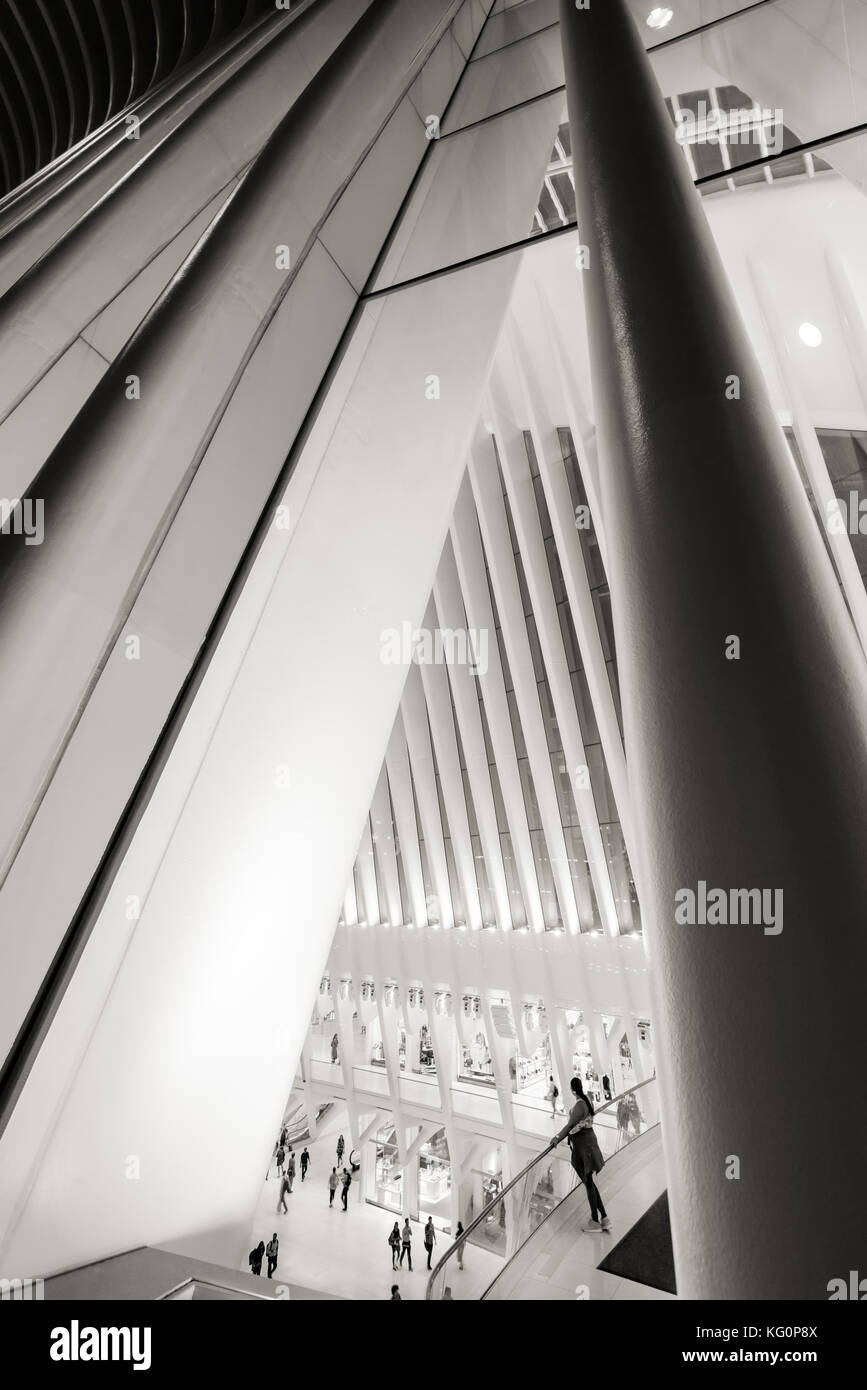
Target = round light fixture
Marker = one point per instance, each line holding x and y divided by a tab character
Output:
659	17
810	334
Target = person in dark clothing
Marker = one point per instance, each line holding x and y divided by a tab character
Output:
281	1155
587	1157
458	1233
347	1179
395	1294
429	1239
256	1257
341	1145
394	1242
305	1163
271	1251
334	1048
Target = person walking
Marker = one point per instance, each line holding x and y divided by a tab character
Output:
587	1157
430	1239
332	1186
255	1258
271	1251
347	1179
285	1186
406	1244
461	1244
395	1294
340	1147
552	1095
290	1167
334	1046
305	1163
281	1155
394	1242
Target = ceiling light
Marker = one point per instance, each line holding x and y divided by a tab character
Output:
810	334
659	17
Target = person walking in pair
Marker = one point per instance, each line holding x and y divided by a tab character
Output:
290	1167
271	1251
255	1258
332	1186
281	1156
347	1179
406	1244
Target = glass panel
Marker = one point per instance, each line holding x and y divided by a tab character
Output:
478	190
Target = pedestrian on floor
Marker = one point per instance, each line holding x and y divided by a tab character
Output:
406	1244
285	1186
305	1163
552	1095
429	1239
394	1242
290	1167
347	1179
255	1258
587	1157
281	1155
332	1186
395	1294
334	1046
271	1251
461	1244
284	1135
340	1147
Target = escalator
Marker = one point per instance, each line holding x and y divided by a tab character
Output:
544	1210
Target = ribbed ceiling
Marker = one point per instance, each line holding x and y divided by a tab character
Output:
68	66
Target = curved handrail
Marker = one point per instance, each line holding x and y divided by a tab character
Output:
609	1108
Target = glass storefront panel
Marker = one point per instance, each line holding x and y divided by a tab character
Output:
387	1178
435	1181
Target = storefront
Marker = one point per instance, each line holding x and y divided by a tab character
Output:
435	1181
387	1176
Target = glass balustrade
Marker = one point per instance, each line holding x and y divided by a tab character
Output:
468	1268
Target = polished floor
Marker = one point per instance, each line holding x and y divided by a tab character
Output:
346	1254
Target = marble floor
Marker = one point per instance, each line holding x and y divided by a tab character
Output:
346	1254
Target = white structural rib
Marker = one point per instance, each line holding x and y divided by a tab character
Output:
421	761
556	489
470	562
384	850
811	453
367	874
450	610
580	423
491	509
435	682
400	785
528	529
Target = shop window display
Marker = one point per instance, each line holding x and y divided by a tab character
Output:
435	1180
387	1177
479	1194
476	1061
